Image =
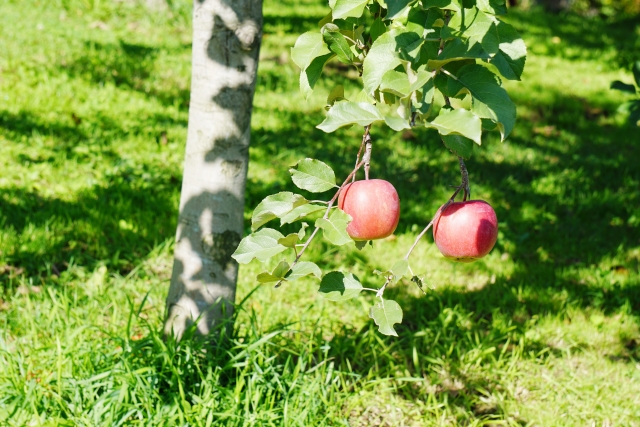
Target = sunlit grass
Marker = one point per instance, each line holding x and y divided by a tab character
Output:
93	114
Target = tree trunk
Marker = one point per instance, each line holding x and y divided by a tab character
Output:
226	44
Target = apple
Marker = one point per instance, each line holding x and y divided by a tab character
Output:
466	231
374	206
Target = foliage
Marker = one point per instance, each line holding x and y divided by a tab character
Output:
630	108
410	56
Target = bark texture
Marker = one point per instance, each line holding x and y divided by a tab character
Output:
226	45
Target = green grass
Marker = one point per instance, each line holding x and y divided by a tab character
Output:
93	112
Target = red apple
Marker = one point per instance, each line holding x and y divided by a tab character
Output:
374	206
466	231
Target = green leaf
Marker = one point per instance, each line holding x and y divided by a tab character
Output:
300	212
512	52
400	268
386	314
313	175
360	244
624	87
310	76
302	269
348	8
337	43
461	122
428	91
496	7
336	94
441	4
459	145
347	113
636	72
290	240
457	50
261	245
397	8
275	206
499	39
302	231
396	83
336	286
377	29
277	275
308	47
490	100
397	123
334	229
422	77
381	58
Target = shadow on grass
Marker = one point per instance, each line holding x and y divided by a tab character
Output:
126	65
580	37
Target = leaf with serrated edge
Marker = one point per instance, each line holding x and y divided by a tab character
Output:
396	8
337	43
497	7
302	231
289	240
313	175
336	94
381	58
261	245
397	123
458	50
334	229
348	8
459	145
489	99
300	212
275	206
360	244
386	314
461	122
277	275
308	47
400	268
310	76
396	83
337	286
347	113
302	269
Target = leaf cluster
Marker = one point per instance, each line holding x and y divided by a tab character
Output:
630	108
414	57
265	243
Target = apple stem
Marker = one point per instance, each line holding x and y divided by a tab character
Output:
464	186
366	158
465	180
365	138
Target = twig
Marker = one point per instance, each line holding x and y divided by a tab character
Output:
464	186
366	158
366	141
367	128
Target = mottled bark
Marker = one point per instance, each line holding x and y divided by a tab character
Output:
226	43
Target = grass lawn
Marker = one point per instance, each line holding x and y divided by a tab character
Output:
544	331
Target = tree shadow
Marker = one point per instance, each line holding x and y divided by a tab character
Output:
127	65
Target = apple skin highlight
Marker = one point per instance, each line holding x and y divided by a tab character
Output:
374	206
466	231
